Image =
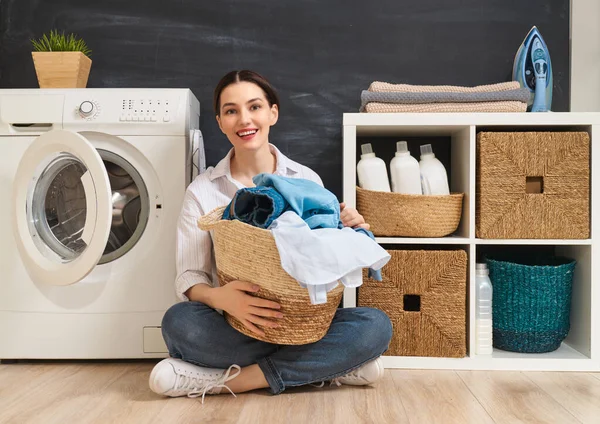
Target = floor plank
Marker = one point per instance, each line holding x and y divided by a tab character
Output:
66	393
15	376
331	404
511	397
437	397
130	393
579	393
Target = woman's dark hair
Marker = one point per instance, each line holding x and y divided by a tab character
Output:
248	76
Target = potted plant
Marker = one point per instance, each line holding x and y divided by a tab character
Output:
61	61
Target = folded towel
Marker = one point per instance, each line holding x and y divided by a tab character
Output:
519	95
387	87
447	107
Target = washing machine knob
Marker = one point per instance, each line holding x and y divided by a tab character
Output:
86	108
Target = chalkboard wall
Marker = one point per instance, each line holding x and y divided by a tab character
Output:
318	54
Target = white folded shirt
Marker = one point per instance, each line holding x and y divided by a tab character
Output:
318	258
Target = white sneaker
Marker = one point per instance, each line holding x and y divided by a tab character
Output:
175	377
367	374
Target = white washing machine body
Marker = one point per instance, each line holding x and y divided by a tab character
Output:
92	182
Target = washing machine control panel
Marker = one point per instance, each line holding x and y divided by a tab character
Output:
132	108
146	110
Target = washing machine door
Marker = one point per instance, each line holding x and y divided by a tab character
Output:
62	208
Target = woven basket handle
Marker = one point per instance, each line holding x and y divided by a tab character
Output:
212	219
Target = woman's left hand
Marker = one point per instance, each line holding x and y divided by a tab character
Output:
351	218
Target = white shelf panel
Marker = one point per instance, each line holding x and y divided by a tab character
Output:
451	120
467	240
571	242
421	240
564	358
563	352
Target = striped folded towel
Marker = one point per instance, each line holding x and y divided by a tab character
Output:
446	107
385	87
396	97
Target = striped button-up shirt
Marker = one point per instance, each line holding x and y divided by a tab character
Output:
213	188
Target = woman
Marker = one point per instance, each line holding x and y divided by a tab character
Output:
207	354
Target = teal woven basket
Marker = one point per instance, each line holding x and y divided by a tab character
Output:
531	302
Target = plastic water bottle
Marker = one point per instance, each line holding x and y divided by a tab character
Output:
372	172
405	171
483	314
434	178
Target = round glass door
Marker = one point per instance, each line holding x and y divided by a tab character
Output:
130	206
58	208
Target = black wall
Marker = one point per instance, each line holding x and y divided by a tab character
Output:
318	54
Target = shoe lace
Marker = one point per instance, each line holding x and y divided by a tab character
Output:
199	387
333	381
354	374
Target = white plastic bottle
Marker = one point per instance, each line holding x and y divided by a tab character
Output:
434	179
405	171
483	313
372	172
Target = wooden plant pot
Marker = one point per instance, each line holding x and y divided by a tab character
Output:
62	69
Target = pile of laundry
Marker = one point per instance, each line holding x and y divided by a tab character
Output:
383	97
314	246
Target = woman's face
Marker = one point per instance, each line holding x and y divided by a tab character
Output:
246	116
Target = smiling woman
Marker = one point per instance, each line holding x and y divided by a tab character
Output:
207	354
246	107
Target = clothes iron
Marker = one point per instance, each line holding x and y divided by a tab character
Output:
532	69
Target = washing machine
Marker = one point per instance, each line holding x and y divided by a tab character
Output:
91	186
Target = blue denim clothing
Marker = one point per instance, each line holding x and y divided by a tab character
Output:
315	204
257	206
200	335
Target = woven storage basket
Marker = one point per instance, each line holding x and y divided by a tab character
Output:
248	253
409	215
433	282
531	302
559	161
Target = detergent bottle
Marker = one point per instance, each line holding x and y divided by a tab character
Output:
405	171
483	313
434	179
372	172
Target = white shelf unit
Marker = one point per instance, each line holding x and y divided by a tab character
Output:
581	349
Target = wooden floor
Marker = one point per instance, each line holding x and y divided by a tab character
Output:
117	392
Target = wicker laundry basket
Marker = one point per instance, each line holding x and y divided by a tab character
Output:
409	215
423	292
248	253
533	185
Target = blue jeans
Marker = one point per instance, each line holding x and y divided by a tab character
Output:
200	335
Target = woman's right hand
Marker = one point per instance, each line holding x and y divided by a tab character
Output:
251	311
